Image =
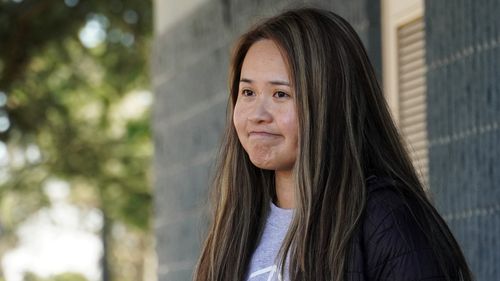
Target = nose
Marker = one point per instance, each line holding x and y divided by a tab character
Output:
260	112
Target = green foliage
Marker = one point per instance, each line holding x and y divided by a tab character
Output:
62	99
67	101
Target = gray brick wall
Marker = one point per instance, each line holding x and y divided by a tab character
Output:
189	69
463	58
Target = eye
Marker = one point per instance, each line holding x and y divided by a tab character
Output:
246	92
281	94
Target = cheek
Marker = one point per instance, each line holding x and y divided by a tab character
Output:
290	124
238	120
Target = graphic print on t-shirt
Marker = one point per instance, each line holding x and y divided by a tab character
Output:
271	272
264	265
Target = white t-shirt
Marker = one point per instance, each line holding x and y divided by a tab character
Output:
264	262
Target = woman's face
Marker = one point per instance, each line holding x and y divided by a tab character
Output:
265	116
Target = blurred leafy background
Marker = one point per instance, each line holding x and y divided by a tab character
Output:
74	109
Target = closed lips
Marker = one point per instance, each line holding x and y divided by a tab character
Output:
262	133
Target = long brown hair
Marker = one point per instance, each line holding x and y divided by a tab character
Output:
345	133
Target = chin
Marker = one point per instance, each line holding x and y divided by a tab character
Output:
270	162
271	166
263	166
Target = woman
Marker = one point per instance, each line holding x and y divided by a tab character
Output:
313	181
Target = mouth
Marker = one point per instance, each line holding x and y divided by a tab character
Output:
262	134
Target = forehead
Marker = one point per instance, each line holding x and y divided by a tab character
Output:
264	61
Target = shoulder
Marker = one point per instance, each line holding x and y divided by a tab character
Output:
383	202
396	245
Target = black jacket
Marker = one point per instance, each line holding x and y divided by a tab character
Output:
389	245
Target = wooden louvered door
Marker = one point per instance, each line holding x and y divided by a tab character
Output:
412	92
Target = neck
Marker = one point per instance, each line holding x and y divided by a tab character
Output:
284	189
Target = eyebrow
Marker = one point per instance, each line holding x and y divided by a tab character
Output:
273	82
